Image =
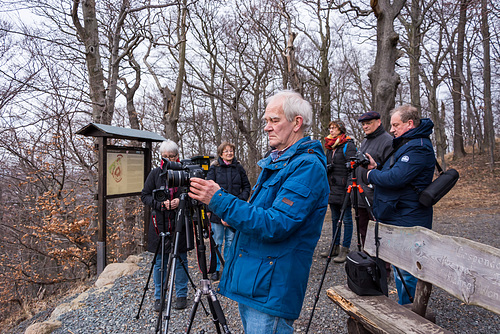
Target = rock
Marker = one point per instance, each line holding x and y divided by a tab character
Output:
113	271
133	259
45	327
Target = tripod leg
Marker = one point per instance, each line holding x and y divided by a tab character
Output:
332	245
167	284
148	280
192	283
197	298
218	311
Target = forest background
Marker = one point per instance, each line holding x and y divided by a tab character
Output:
198	72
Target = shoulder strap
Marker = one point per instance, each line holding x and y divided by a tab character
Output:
345	148
390	156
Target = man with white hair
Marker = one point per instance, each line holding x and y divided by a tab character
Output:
268	264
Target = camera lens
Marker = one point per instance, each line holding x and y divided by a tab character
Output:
160	195
178	178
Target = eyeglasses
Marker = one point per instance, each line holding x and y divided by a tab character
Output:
169	156
228	151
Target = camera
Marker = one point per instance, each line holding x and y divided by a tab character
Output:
178	174
160	195
360	159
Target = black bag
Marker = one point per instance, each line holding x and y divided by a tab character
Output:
366	276
439	187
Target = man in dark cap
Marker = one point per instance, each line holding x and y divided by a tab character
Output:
377	143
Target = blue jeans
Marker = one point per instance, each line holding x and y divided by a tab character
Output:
256	322
222	233
346	223
181	278
411	284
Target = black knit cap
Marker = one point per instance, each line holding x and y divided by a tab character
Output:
369	116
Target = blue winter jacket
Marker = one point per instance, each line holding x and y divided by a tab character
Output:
277	230
412	165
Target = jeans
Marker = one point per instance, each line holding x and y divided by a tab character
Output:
411	283
220	233
181	278
347	224
256	322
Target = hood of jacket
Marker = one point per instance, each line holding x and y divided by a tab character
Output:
424	130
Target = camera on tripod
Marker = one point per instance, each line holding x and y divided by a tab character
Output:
179	174
360	159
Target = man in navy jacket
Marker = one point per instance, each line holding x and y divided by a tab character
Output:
408	169
277	230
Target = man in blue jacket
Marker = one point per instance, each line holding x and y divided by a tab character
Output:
277	230
408	169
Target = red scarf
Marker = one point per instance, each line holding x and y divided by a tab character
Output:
333	142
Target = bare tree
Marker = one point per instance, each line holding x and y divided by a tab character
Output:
457	71
383	76
489	130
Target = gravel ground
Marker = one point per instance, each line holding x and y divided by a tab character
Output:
115	310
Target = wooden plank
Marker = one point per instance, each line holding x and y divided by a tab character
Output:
464	268
379	314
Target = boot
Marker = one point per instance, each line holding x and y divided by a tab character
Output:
342	255
335	251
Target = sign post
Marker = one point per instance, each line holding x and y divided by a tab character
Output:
122	172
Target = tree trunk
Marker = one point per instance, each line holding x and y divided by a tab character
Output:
172	118
130	93
114	66
414	40
458	140
89	35
489	130
383	77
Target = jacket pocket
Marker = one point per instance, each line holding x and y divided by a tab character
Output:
251	276
386	208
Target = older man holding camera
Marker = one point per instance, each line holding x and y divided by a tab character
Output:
377	143
277	230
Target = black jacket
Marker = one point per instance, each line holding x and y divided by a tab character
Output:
378	144
165	219
338	174
232	178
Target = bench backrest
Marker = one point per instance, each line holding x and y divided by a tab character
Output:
464	268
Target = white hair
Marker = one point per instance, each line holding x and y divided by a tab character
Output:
169	146
294	105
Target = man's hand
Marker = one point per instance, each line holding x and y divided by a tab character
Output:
372	164
202	190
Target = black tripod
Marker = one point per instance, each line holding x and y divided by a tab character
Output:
355	189
173	253
186	213
201	231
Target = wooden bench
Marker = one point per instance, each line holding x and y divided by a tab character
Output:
466	269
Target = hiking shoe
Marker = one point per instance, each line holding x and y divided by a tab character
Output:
180	303
342	255
215	276
335	251
157	305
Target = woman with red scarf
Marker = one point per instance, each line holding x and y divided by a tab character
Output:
339	148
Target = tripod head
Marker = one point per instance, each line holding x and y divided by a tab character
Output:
360	159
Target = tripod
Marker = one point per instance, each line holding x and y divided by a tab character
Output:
172	254
355	189
201	229
182	220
